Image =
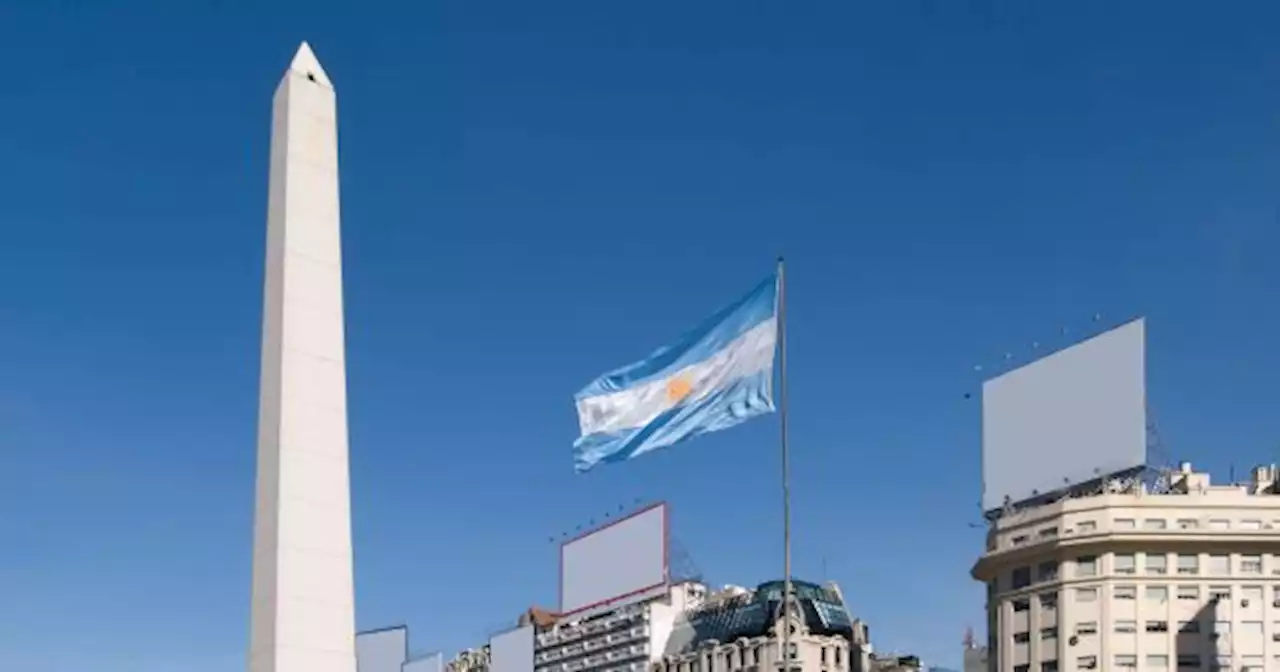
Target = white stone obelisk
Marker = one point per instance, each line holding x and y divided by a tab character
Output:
303	614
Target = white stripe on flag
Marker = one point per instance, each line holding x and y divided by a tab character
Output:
748	354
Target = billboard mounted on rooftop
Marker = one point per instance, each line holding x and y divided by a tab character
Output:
620	563
1072	417
433	662
512	651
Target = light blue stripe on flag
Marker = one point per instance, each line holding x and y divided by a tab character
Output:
712	378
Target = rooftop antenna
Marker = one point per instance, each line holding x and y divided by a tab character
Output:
683	567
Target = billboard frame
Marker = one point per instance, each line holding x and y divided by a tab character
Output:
623	599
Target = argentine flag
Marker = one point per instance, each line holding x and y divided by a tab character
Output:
712	378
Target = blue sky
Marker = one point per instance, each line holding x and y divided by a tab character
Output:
536	192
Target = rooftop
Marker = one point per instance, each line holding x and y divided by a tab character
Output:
737	613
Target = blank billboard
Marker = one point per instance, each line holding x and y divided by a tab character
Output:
621	562
1069	418
430	663
382	650
512	651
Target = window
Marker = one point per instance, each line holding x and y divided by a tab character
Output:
1087	663
1086	594
1251	664
1021	605
1219	592
1157	661
1126	661
1048	601
1087	628
823	658
1048	666
1126	592
1252	595
1021	637
1048	571
1087	565
1222	627
1124	524
1124	564
1048	633
1188	563
1125	625
1021	577
1219	524
1188	661
1155	524
1157	593
1019	540
1026	667
1251	564
1189	593
1188	523
1048	533
1219	565
1157	626
1253	628
1156	564
1251	524
1189	627
1087	526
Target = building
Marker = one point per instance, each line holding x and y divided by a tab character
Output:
1180	576
975	657
693	629
625	639
689	628
895	664
469	660
739	630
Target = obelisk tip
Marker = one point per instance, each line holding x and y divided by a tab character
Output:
306	64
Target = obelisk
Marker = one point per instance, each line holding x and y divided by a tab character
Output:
303	613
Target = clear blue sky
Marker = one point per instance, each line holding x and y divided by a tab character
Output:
536	192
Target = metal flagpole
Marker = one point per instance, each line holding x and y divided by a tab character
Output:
786	466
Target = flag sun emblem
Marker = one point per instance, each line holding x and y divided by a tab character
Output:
678	388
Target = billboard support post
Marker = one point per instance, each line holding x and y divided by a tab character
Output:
786	466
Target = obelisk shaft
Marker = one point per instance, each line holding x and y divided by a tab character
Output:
303	613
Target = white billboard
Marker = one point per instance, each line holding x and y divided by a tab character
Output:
512	651
1074	416
430	663
616	564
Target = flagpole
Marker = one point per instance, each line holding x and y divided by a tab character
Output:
786	466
